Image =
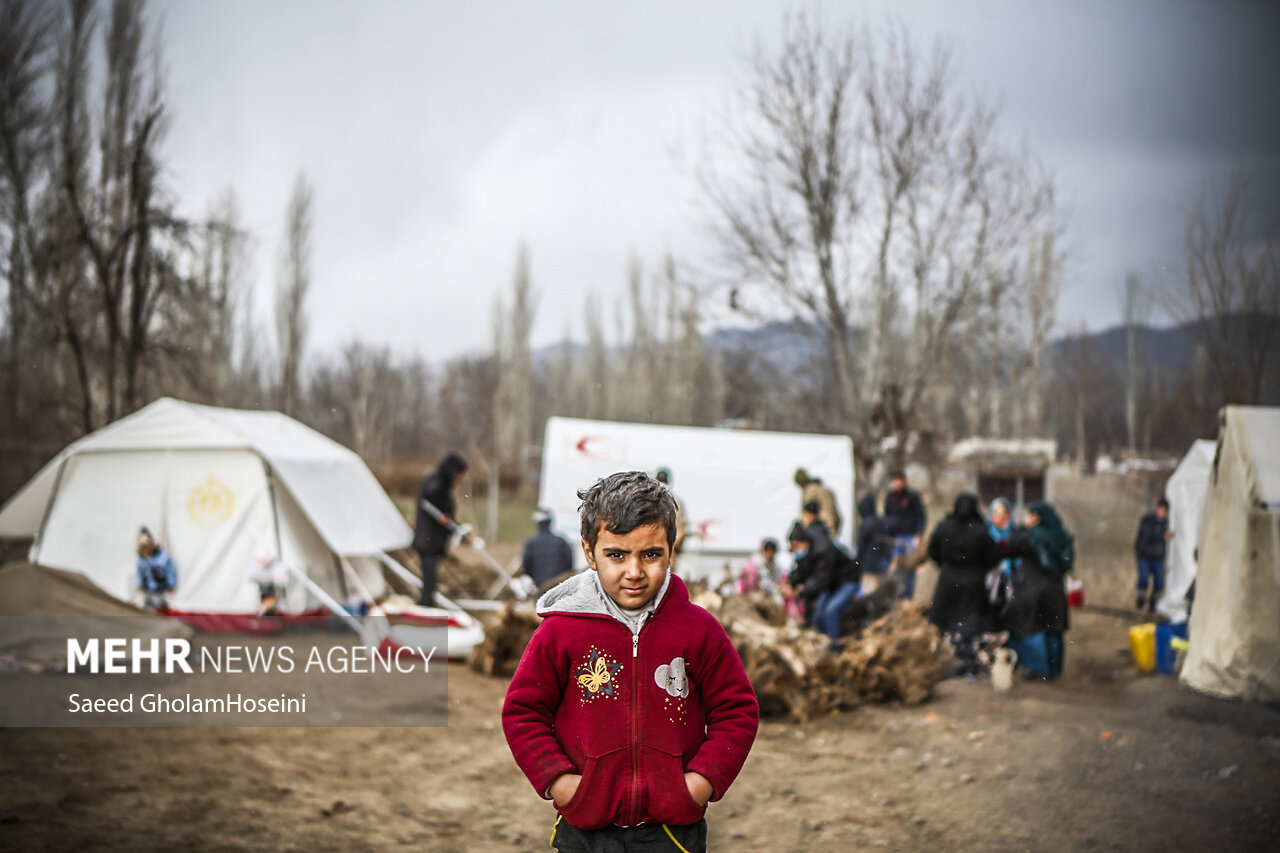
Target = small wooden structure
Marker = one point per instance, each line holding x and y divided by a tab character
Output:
1014	468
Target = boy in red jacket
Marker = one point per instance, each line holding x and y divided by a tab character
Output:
630	708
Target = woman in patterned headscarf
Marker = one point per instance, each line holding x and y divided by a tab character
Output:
1039	600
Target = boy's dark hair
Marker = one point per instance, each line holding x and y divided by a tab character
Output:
898	474
813	507
769	544
1162	503
624	501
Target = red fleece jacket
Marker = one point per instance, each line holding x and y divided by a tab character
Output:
631	717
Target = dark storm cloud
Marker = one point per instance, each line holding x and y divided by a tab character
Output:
439	135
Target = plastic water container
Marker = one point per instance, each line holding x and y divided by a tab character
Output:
1166	655
1142	642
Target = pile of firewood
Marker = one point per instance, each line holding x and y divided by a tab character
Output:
796	675
504	640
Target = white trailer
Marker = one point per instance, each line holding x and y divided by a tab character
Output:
737	486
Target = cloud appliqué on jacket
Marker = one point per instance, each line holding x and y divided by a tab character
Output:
673	678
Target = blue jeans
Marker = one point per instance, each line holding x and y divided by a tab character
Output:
1153	569
902	547
831	606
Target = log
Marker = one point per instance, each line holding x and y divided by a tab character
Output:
505	639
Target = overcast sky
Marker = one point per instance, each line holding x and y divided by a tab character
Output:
437	135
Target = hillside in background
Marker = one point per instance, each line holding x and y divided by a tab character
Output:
789	346
792	345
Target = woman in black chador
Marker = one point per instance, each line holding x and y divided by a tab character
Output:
964	551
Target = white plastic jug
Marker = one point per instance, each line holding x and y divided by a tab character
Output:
1002	663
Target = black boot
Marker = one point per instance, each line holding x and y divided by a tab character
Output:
1151	604
1141	605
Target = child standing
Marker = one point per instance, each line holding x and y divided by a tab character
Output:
157	577
630	709
1149	549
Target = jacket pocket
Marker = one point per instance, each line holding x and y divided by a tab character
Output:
668	795
597	801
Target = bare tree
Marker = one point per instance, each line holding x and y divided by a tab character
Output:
292	287
211	299
854	180
26	42
790	222
513	410
596	387
644	345
1082	382
1230	292
1042	301
370	387
110	246
1137	308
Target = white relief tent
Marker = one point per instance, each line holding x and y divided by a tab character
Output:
221	489
1185	492
1234	644
737	486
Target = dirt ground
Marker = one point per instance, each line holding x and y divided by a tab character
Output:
1103	759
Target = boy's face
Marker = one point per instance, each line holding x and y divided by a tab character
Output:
632	566
1162	512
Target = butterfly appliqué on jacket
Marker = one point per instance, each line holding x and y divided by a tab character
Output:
596	676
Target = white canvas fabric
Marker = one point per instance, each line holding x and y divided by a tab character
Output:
1234	647
737	486
1185	492
218	488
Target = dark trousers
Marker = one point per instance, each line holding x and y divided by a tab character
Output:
430	574
650	838
1055	648
1153	571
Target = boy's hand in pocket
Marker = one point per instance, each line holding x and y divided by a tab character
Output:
699	788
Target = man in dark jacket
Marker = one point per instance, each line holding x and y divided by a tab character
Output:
802	585
904	514
546	555
435	521
1149	548
875	539
833	576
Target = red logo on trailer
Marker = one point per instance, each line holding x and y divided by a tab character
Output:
581	445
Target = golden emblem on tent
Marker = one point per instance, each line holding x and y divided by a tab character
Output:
210	503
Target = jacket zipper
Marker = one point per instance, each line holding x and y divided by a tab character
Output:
634	816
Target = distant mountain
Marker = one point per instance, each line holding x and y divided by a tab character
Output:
789	346
1173	349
